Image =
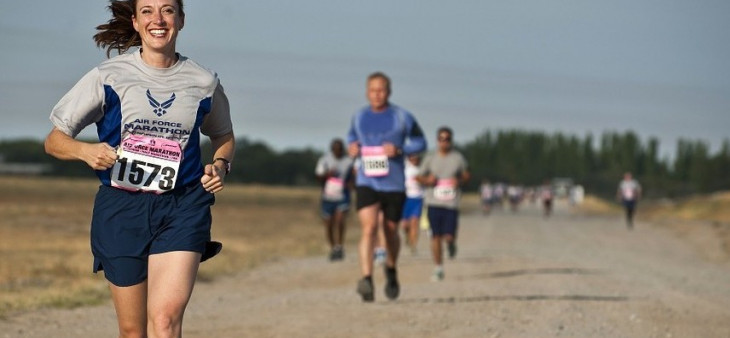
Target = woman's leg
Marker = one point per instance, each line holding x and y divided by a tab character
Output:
171	278
130	304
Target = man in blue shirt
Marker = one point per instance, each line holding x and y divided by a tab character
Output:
380	136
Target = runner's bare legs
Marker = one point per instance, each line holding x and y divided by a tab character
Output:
392	242
170	284
338	227
368	224
329	230
411	229
130	304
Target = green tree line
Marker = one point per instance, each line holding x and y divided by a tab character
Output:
510	156
524	157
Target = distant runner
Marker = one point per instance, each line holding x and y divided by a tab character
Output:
546	195
334	171
414	202
486	195
629	192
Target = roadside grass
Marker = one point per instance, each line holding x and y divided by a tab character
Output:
44	237
710	208
688	217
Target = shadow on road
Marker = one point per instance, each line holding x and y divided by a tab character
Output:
543	271
473	299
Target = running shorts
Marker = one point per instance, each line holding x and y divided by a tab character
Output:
329	208
390	202
127	227
443	221
629	205
412	208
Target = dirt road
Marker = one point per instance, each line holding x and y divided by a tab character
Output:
516	275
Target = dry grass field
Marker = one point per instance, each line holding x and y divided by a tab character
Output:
44	237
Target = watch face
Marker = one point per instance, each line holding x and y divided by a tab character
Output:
226	163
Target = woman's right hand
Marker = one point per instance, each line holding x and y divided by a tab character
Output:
99	156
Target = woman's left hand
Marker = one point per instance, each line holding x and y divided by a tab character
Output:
212	179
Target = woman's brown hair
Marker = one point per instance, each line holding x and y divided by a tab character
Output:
119	32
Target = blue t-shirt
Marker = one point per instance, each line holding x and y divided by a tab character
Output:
394	125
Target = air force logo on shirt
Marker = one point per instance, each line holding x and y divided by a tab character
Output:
160	108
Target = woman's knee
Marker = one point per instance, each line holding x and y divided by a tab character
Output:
132	330
165	323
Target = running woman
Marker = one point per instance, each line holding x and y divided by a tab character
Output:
381	134
443	173
414	202
629	192
334	171
150	227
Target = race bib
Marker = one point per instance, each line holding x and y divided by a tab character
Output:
413	188
334	189
147	164
374	161
445	190
628	194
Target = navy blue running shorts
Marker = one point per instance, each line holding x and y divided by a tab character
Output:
443	221
127	227
629	204
329	208
390	202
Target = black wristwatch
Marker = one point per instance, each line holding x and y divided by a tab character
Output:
226	163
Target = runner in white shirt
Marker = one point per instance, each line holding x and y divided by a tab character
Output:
334	171
414	202
487	196
629	192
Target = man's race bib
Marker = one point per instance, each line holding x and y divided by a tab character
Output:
628	194
374	161
334	189
147	164
445	190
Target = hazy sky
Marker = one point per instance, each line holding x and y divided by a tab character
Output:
295	70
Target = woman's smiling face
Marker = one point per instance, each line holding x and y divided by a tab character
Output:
158	23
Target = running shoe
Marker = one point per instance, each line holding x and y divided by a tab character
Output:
438	274
337	254
452	250
212	248
366	290
392	288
